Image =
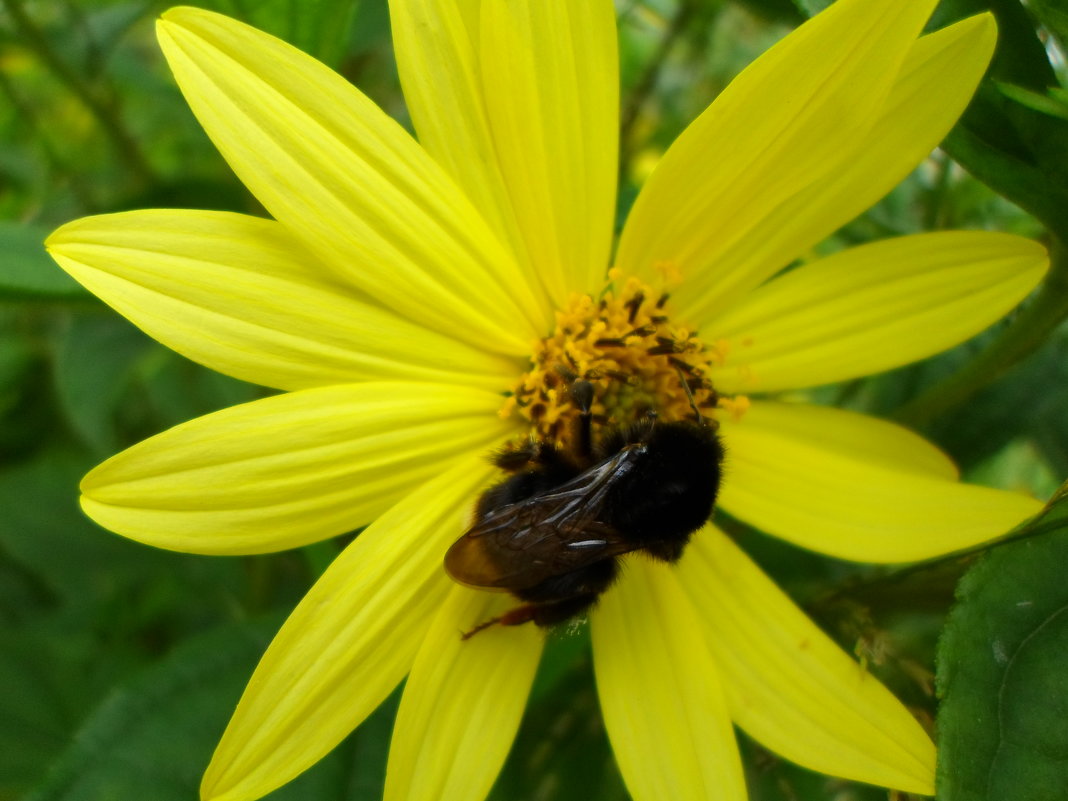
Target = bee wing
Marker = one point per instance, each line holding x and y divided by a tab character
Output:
520	545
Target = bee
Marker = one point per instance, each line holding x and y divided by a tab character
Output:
552	533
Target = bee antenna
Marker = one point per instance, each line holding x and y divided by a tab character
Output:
689	396
582	396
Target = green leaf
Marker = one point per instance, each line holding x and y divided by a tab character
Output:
776	10
153	737
45	532
44	683
1020	57
1039	384
1052	104
26	270
1054	18
1003	723
811	8
178	389
85	567
1046	104
768	777
26	413
1017	150
95	359
562	750
321	28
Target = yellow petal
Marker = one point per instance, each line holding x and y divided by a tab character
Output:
789	686
240	295
796	116
288	470
935	84
551	78
660	692
436	45
462	702
815	488
851	435
874	307
348	182
348	643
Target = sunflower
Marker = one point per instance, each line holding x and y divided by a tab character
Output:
421	304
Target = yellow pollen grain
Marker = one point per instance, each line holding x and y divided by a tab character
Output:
736	407
637	360
669	272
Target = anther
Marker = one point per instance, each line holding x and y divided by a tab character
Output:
618	375
566	373
662	350
633	306
679	364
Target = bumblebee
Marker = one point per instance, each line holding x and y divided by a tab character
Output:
552	533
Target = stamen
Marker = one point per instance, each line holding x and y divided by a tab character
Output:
633	305
629	361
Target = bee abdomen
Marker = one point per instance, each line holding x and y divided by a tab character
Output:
672	490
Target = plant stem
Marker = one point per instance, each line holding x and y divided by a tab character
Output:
647	82
936	198
1024	335
59	168
104	113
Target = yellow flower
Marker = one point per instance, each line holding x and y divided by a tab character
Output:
399	294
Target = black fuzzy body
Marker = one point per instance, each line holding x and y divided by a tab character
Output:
552	533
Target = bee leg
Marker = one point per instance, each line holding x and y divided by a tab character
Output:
557	598
568	595
546	614
467	635
560	611
513	617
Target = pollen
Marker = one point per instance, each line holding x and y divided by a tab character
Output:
637	359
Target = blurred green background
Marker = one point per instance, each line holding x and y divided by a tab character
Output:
120	664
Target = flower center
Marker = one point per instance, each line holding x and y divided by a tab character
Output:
638	362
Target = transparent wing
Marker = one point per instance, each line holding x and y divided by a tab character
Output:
521	544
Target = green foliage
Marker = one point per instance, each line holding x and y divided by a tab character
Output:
62	579
174	709
119	664
563	701
95	359
25	268
1054	18
154	734
319	27
1020	151
811	7
1001	663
